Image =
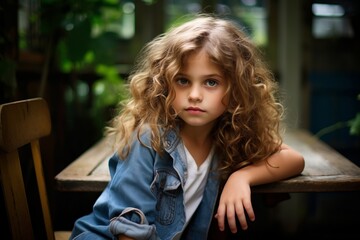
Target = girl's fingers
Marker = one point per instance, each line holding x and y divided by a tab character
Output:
241	216
220	216
250	211
231	218
233	209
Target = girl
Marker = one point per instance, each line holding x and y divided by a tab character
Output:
202	117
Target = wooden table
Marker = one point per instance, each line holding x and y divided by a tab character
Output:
325	169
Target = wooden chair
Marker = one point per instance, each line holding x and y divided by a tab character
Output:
22	123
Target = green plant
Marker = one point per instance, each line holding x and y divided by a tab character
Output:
75	37
85	44
81	43
353	125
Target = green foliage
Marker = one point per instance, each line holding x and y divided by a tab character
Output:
77	41
110	88
85	38
353	125
86	45
108	91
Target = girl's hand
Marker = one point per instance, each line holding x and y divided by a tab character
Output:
235	202
235	199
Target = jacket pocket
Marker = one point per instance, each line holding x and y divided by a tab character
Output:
166	187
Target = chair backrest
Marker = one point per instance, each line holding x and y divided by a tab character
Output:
21	123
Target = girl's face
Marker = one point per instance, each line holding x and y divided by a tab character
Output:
200	88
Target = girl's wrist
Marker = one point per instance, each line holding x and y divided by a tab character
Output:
242	176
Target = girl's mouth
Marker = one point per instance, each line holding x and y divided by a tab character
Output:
194	109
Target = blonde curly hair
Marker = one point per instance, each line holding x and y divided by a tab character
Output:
247	132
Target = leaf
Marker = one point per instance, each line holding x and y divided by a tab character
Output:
105	47
78	40
355	125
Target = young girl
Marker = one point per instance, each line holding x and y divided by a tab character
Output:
202	119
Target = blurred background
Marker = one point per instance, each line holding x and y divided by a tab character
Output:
78	54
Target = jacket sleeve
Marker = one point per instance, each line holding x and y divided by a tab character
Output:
127	205
130	227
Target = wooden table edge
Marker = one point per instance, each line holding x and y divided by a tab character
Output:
298	184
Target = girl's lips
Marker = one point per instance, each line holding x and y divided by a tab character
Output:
194	109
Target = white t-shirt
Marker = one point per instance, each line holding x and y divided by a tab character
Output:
195	183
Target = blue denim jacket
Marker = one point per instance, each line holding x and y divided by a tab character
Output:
144	198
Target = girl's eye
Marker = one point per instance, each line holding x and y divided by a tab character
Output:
211	83
182	81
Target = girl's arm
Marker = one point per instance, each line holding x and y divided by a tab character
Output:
127	201
235	198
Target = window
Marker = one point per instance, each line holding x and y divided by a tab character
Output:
251	14
330	21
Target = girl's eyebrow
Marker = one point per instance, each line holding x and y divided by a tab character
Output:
180	74
213	75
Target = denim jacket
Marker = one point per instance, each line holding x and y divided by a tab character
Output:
144	199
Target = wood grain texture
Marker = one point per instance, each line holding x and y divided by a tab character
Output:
24	123
325	170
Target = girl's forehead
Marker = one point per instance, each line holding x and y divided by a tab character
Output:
196	57
200	53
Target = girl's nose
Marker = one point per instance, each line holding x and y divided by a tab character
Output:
195	94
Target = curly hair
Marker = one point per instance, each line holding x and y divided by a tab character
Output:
247	132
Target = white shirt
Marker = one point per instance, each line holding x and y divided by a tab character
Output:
195	183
